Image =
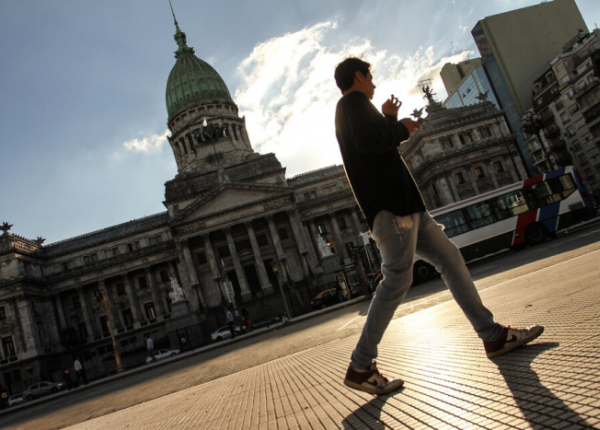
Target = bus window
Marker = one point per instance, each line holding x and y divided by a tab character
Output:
455	223
480	214
567	185
543	194
509	205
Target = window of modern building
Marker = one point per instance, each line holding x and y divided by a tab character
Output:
479	172
570	131
582	84
593	152
553	90
576	145
560	67
573	109
498	166
459	178
565	118
569	94
559	105
580	123
565	79
583	159
590	100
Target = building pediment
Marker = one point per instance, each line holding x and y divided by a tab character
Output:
230	197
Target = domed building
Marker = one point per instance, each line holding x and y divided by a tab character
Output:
236	233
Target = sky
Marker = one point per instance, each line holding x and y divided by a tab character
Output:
82	89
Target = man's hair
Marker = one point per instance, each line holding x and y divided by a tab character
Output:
346	70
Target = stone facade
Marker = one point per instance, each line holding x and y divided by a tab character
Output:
236	232
462	152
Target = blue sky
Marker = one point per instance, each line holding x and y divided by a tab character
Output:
82	87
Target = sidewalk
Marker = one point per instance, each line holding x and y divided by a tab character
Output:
553	383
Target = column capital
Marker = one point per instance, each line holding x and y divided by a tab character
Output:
206	236
248	224
269	217
227	230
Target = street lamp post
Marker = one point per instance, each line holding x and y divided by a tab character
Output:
532	123
103	303
275	267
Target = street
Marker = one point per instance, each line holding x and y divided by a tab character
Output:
562	266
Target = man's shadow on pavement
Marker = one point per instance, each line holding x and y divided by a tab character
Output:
369	414
528	391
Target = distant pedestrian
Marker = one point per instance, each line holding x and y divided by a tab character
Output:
400	224
150	347
66	374
79	371
229	317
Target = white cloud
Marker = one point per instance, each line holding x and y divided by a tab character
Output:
288	93
146	145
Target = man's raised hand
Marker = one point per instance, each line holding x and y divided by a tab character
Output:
391	106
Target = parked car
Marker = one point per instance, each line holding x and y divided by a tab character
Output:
324	298
16	399
163	353
224	333
264	322
42	388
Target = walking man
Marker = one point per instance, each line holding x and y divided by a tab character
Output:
229	317
392	204
150	347
80	371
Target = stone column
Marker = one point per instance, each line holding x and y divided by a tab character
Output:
239	271
343	252
452	183
20	345
356	221
510	167
60	311
313	257
85	310
189	262
156	297
134	303
30	333
473	180
278	248
212	260
296	230
265	285
491	172
314	235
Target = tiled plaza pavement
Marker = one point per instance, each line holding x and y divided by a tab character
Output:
552	383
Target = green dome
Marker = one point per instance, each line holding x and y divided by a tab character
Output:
192	81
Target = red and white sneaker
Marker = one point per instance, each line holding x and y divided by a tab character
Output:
371	381
511	338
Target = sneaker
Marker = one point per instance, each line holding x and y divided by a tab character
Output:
371	381
511	338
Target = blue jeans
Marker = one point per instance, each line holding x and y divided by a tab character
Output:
398	239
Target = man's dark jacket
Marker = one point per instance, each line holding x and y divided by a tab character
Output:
369	144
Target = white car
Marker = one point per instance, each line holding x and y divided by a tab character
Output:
163	353
224	333
15	399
